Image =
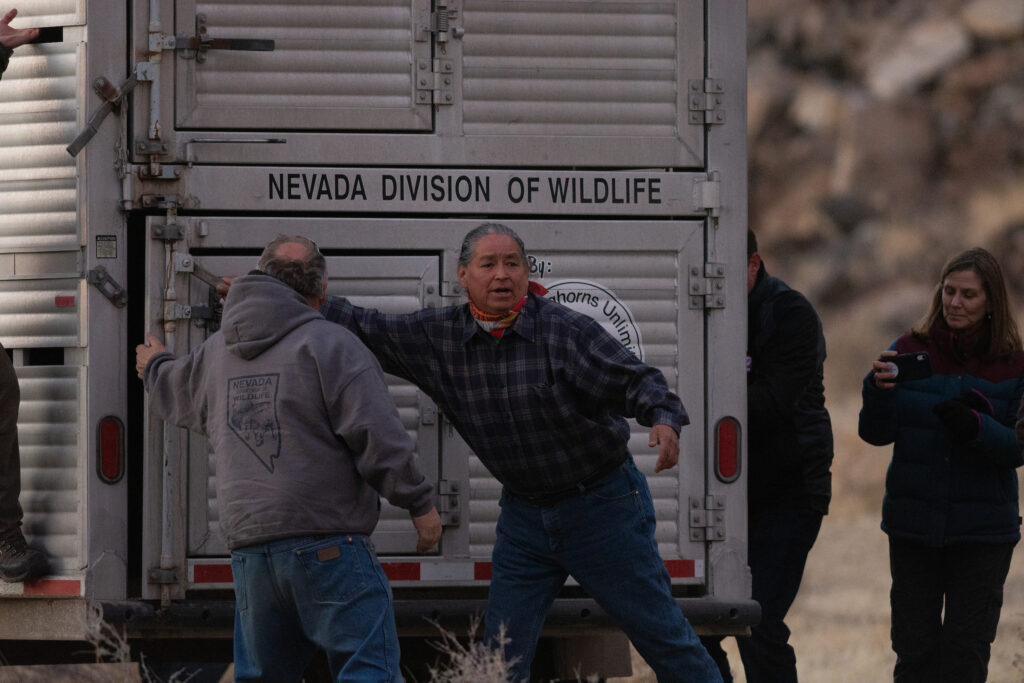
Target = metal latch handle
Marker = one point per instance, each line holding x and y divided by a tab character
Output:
201	42
113	97
101	280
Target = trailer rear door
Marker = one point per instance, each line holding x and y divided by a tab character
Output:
629	275
585	83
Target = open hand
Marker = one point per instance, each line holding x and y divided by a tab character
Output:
13	37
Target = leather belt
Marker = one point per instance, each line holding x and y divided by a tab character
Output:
552	498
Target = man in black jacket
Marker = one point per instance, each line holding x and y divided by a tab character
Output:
789	458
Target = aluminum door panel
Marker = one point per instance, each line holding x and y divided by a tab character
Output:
347	66
576	72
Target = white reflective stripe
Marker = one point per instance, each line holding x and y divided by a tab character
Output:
446	571
50	587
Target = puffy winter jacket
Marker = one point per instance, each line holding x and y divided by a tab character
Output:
938	491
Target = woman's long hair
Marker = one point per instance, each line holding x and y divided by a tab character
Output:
1003	336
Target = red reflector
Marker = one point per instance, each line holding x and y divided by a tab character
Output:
401	571
482	571
727	449
679	569
64	301
53	587
212	573
111	449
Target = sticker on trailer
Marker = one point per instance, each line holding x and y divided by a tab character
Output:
601	304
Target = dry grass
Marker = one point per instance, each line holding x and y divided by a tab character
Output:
111	645
470	660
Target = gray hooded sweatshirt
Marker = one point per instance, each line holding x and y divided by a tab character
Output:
303	429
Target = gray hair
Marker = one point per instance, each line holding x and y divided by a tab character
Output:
305	276
481	231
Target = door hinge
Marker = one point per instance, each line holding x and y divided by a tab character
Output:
707	194
167	201
448	502
706	101
707	518
434	79
707	286
197	312
171	231
99	278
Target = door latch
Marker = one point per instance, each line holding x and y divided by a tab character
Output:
113	97
99	278
195	47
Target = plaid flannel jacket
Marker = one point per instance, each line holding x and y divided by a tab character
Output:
543	407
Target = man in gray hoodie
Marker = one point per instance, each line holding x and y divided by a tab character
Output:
306	437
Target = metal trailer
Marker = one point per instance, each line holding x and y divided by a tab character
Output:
148	144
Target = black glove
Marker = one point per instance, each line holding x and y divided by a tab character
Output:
962	423
975	400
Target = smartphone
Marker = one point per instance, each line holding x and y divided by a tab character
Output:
909	366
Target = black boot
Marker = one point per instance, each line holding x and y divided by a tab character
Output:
18	562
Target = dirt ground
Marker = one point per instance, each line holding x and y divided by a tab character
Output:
840	620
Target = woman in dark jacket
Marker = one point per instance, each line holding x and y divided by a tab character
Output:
950	506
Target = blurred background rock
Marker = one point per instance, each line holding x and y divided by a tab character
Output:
884	136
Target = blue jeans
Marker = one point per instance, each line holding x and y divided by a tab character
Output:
604	539
945	609
779	540
297	594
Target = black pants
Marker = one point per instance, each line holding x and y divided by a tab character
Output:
779	541
945	609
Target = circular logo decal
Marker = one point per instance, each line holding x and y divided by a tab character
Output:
603	306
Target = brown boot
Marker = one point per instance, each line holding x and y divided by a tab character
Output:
18	562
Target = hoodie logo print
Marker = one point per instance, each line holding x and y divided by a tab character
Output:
252	415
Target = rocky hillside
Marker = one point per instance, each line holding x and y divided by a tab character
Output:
884	136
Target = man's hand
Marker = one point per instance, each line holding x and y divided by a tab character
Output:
668	452
224	286
428	527
13	37
143	352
